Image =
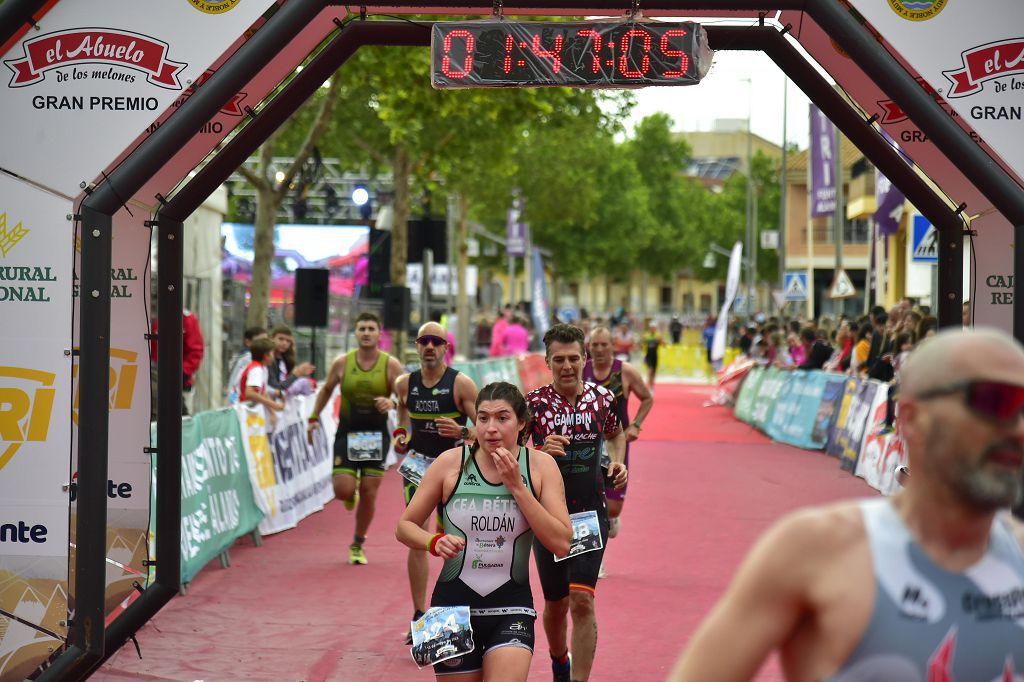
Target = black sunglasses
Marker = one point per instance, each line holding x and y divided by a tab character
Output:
431	340
993	399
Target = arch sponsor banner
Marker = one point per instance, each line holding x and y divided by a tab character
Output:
969	53
994	244
128	465
93	75
35	431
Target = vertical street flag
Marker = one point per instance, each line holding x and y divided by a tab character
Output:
889	200
541	306
515	240
732	283
823	182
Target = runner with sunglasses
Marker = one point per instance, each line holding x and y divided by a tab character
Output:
433	405
366	376
497	497
572	418
925	585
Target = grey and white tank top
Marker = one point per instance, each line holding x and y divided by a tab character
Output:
932	625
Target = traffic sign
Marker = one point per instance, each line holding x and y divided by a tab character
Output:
795	286
926	241
842	287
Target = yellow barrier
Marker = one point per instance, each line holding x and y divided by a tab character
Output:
686	361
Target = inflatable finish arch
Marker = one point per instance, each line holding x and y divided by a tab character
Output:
971	167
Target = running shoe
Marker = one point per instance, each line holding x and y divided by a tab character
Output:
601	573
356	555
408	635
350	504
561	672
613	527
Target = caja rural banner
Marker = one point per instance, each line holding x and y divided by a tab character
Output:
291	479
35	427
92	76
129	404
217	505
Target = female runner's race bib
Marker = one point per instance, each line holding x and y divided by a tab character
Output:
366	446
586	534
441	633
414	467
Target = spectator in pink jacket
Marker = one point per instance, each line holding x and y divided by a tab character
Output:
498	331
516	338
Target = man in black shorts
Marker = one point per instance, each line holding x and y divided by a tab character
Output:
571	418
433	404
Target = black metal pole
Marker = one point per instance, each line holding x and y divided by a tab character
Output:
16	15
86	634
934	207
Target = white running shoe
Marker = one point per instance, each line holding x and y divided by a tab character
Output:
601	573
613	527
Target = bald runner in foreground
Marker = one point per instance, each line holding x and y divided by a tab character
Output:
925	585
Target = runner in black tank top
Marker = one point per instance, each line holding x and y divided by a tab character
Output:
622	379
433	405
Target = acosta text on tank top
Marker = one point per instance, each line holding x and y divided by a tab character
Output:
427	404
585	425
932	624
359	388
493	571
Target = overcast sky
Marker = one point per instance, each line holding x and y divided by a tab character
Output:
724	93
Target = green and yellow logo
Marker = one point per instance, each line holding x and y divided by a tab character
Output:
124	368
25	408
9	238
214	7
917	10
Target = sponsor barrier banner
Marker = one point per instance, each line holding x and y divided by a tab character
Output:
35	427
217	505
828	409
730	379
533	372
768	393
834	445
94	75
291	479
748	395
794	418
884	452
852	438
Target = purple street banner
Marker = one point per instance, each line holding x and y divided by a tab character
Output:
539	303
889	200
823	182
515	241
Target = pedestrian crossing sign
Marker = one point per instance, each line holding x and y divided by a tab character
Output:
842	287
795	286
926	241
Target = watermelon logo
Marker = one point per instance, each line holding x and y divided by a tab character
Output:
917	10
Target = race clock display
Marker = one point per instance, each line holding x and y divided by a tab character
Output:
502	54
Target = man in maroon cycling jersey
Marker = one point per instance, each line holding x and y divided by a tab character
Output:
571	420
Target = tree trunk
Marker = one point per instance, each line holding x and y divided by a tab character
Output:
461	296
267	203
401	170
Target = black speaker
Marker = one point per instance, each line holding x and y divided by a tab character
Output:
311	294
378	273
396	307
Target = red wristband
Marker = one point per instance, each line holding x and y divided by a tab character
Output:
432	545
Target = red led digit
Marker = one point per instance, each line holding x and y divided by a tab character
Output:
446	62
684	59
645	63
553	55
597	46
509	41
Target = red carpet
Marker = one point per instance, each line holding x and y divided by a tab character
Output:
703	487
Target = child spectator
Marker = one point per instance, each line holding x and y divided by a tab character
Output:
252	386
241	361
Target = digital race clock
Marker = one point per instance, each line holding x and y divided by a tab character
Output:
499	53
